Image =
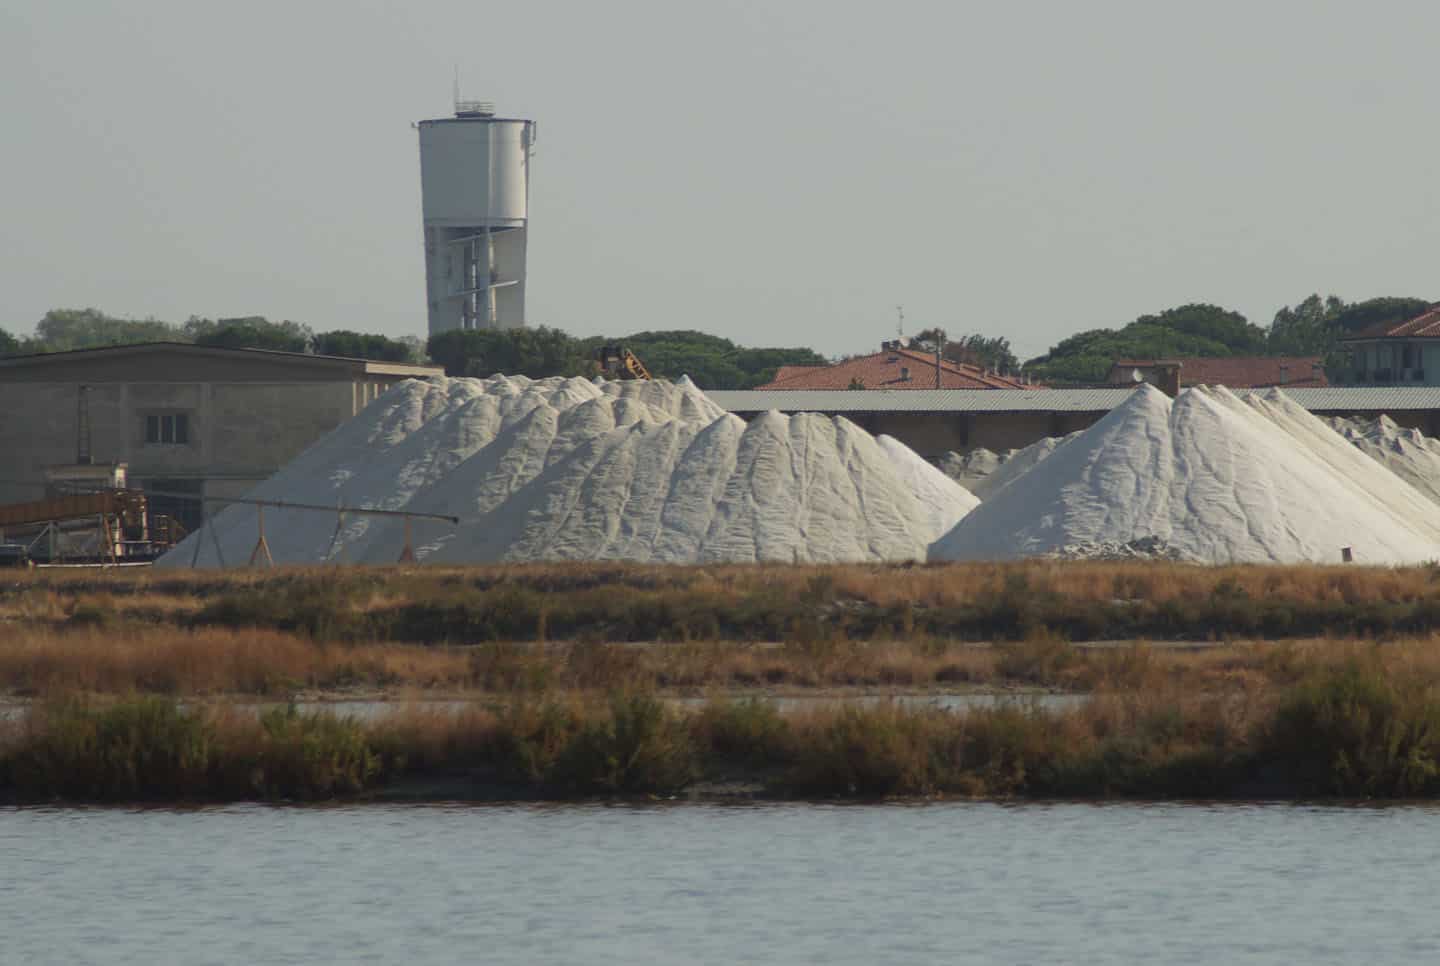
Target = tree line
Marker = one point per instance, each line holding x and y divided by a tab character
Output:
713	362
1312	327
63	330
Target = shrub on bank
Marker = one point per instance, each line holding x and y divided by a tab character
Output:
152	749
1352	729
1354	732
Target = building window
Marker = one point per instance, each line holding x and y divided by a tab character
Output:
167	428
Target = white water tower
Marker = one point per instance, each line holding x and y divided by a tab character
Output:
475	190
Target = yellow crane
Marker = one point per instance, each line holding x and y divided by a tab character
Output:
618	362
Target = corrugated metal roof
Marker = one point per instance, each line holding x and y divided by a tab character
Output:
1330	399
920	400
1367	398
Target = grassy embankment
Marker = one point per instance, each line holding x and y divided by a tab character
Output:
1345	706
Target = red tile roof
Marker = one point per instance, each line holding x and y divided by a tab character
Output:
1423	326
883	370
1237	372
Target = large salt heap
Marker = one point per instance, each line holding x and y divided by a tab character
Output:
1215	478
1408	453
567	469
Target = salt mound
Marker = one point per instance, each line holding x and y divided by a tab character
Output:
1408	453
933	488
1020	462
970	468
1212	478
568	469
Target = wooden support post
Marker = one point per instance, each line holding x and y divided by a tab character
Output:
262	548
407	555
335	537
215	539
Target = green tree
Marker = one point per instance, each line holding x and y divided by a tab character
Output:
1309	328
537	352
358	345
974	350
711	361
1387	310
1196	329
64	329
250	332
9	345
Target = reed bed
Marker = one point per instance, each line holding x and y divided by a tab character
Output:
1356	729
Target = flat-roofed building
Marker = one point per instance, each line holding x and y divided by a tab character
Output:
186	419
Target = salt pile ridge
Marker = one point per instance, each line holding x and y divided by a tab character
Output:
1408	453
1216	478
569	469
1020	462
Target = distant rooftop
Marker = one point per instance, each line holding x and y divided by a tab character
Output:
893	367
1236	372
1426	325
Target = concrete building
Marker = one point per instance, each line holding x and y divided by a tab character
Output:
186	419
475	196
1404	353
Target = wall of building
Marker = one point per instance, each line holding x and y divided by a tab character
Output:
932	434
239	433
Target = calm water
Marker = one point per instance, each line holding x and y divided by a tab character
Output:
712	884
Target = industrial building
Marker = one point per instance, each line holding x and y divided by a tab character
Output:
174	418
475	188
935	421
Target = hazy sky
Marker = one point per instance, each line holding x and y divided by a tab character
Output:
778	173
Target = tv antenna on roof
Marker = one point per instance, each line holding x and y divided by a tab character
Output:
900	321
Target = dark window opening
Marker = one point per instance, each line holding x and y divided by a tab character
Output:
168	428
178	499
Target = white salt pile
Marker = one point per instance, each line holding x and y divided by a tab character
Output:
567	469
1216	478
970	468
1408	453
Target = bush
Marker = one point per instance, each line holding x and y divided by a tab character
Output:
750	732
1351	731
313	755
143	749
640	746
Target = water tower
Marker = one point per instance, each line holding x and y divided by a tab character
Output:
475	190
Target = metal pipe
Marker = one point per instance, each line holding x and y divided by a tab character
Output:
284	504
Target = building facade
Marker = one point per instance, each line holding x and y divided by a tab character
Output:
184	419
1405	353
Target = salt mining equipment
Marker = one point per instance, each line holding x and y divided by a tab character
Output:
475	192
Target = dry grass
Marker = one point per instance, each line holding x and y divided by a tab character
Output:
212	662
218	661
932	585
